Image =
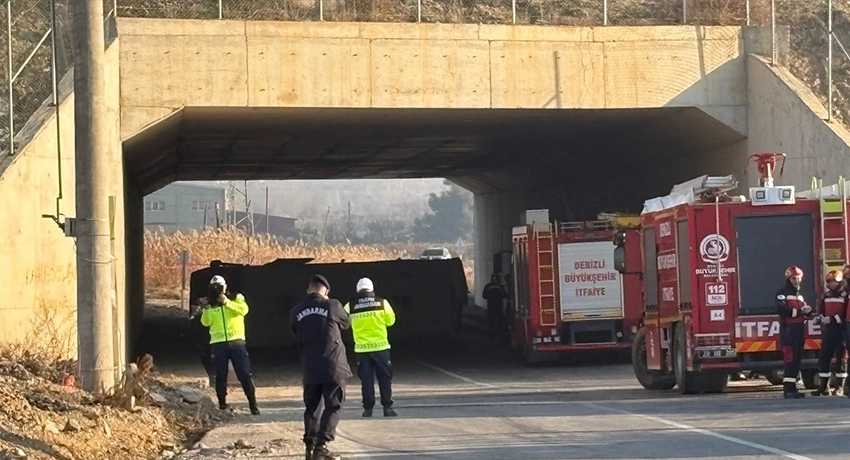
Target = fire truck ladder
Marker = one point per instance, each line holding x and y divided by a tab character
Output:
833	208
546	273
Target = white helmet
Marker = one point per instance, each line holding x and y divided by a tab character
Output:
365	284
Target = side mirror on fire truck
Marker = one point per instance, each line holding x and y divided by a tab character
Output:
620	238
620	251
620	259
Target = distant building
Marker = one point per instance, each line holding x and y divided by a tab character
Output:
278	225
185	207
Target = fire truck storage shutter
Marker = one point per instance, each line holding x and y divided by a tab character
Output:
684	249
766	246
651	270
589	286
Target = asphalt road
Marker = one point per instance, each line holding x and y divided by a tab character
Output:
470	400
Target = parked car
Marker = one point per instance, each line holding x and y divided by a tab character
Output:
435	254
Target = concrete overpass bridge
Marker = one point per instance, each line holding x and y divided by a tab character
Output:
574	119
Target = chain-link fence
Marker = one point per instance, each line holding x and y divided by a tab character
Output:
41	53
542	12
29	62
809	58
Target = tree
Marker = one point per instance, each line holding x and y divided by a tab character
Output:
386	231
450	216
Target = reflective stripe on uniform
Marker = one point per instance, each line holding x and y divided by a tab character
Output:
823	375
789	380
842	375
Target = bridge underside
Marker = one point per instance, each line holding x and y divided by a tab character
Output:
573	162
484	150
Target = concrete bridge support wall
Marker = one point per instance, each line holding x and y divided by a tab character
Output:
37	260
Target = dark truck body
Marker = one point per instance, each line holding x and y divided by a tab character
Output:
428	296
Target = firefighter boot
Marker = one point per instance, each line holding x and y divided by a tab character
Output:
838	387
308	450
822	391
790	391
321	452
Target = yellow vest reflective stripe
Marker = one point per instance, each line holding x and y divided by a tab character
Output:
226	322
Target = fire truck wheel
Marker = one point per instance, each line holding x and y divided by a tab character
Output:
810	378
532	357
694	382
775	376
651	380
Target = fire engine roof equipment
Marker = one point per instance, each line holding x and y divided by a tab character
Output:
766	164
691	192
831	191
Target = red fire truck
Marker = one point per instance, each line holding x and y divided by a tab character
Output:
566	294
711	267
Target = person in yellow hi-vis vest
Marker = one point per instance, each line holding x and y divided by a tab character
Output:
226	320
370	317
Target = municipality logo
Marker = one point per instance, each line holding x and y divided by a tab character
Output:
714	249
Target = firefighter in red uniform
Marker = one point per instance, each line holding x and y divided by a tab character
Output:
833	311
793	310
845	289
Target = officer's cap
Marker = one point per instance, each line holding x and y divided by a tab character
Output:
319	279
218	279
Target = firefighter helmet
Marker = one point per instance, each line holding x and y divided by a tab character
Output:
793	271
835	275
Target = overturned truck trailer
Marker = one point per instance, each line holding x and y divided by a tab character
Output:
427	295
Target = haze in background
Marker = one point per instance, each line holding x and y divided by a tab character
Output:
366	210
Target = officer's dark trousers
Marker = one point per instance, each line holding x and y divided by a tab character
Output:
832	346
320	425
791	337
235	352
205	355
368	366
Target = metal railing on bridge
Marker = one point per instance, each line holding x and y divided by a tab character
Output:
35	58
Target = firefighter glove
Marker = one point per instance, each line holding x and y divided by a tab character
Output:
825	319
806	309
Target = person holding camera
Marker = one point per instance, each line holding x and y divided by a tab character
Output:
225	319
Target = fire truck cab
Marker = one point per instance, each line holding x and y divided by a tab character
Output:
566	294
712	265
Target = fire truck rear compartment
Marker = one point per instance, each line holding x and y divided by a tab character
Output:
766	245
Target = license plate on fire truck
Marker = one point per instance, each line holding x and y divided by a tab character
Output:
717	353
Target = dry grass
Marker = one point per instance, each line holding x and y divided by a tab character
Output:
162	255
38	398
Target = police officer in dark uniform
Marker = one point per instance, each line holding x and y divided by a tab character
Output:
793	312
318	322
832	312
495	296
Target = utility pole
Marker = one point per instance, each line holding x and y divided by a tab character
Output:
94	259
